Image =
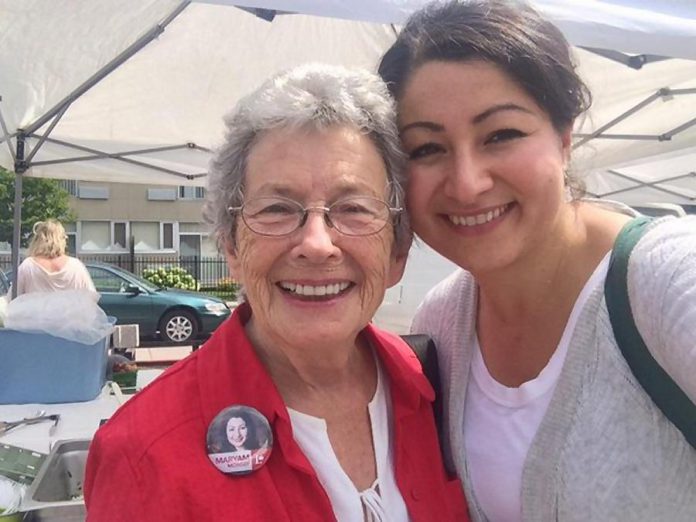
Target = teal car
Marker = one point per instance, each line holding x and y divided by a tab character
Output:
176	316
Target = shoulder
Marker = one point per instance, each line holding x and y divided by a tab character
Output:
27	264
665	253
75	263
396	347
400	362
668	235
662	293
442	299
157	412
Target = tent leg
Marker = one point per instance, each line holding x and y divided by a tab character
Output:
20	168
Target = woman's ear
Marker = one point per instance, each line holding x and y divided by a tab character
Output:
396	270
233	262
399	257
567	143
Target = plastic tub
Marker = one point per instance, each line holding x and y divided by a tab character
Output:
40	368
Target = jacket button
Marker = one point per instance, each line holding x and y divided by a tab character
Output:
416	494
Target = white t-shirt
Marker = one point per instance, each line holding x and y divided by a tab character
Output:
382	502
33	277
500	422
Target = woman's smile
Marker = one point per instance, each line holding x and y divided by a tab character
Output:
314	291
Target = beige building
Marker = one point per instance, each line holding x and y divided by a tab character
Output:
156	219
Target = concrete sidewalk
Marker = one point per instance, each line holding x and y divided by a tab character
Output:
161	355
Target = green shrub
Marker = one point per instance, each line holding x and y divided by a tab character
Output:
225	288
171	277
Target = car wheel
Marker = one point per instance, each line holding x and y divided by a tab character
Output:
178	326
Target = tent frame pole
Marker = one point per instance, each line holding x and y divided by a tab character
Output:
97	154
59	109
652	184
20	168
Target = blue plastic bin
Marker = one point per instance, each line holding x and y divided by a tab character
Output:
40	368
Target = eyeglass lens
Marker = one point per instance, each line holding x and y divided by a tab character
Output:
355	216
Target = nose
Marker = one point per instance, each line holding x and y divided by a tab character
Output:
316	238
468	178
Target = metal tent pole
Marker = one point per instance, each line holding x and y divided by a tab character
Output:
59	109
20	168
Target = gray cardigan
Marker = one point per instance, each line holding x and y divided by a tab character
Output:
603	450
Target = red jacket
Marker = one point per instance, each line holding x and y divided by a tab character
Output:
149	461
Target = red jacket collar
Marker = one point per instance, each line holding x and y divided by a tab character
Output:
230	373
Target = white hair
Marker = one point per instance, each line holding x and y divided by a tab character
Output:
316	96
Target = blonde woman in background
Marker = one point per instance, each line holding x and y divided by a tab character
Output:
48	268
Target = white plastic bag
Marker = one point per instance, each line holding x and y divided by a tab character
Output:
11	494
70	314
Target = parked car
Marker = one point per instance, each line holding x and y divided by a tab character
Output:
176	316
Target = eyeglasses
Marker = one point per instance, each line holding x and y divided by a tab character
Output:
352	216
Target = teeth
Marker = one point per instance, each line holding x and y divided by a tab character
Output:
320	290
478	219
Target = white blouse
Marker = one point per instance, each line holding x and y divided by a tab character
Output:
381	502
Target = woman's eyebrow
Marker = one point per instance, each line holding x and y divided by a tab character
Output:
437	127
499	108
428	125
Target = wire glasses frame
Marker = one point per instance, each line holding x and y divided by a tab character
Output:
351	216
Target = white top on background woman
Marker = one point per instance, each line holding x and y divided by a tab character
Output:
48	268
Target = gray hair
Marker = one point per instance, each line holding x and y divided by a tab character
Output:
316	96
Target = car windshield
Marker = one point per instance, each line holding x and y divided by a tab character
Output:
144	282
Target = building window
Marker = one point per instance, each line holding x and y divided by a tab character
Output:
146	235
167	236
70	186
186	192
189	245
95	235
71	232
120	235
162	194
100	236
92	192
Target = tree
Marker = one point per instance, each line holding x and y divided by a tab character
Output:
41	199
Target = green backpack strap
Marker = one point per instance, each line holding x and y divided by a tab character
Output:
664	392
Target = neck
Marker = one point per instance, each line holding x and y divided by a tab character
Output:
558	268
319	368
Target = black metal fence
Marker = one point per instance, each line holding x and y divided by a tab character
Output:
211	273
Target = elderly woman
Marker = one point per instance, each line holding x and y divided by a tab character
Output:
305	197
48	268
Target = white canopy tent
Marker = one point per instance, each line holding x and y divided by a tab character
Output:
135	90
133	111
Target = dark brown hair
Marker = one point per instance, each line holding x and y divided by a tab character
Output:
509	34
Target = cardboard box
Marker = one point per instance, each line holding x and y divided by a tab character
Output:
40	368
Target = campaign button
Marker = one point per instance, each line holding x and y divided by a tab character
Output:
239	440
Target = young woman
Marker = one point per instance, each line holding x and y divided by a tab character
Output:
544	417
